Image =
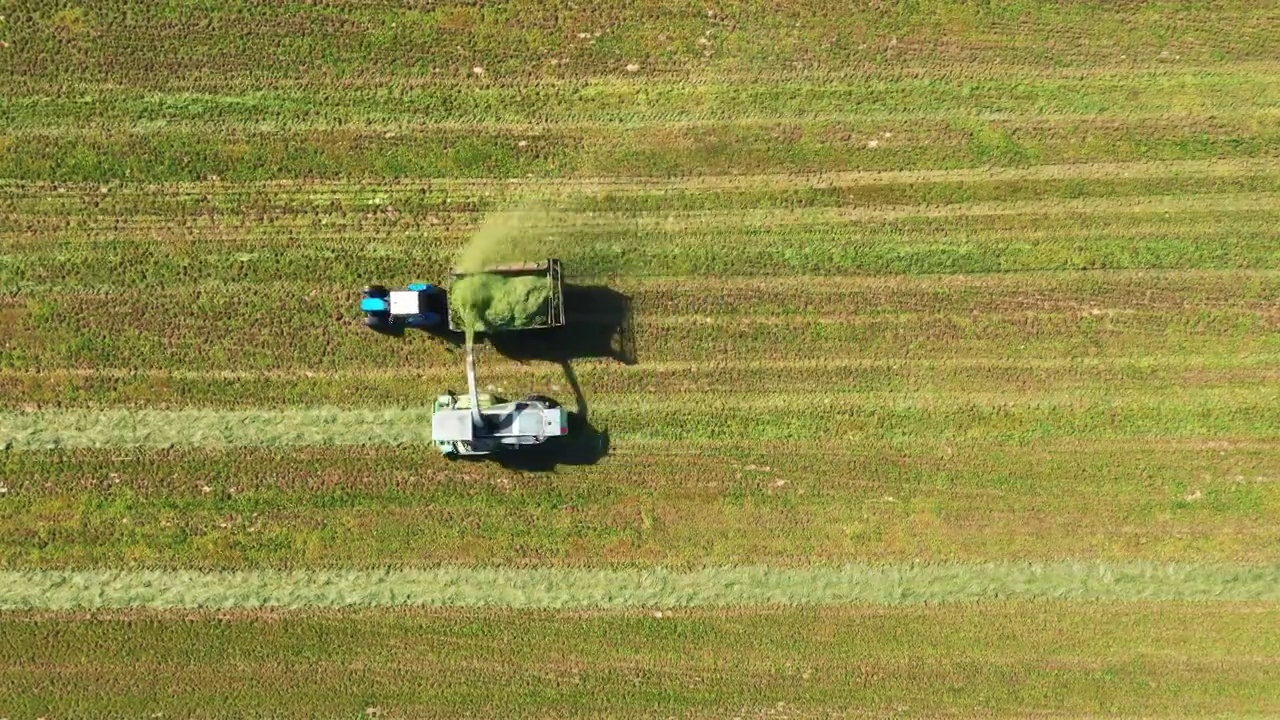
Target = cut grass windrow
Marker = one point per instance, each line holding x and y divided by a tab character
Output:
652	588
1015	417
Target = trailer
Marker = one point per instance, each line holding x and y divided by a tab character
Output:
552	314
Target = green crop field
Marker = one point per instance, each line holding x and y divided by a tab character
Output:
924	359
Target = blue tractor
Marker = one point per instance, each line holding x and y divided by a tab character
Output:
421	305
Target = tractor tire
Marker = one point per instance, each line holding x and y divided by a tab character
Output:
377	323
376	291
542	399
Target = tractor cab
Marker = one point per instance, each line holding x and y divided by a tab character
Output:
420	305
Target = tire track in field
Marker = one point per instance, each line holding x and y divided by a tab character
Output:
1023	238
970	67
673	121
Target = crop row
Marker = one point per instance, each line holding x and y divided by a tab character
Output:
183	46
892	187
1016	417
679	502
1008	659
647	101
347	251
654	151
237	339
1018	318
671	299
378	387
31	208
1003	476
378	215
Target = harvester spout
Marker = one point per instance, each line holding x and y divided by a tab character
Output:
476	418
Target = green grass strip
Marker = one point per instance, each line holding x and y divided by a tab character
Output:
587	588
1196	412
159	428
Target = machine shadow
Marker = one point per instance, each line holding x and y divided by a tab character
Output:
584	445
444	334
598	324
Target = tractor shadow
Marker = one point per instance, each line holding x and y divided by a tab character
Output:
598	324
443	333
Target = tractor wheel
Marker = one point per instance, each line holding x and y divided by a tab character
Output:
542	399
376	322
377	291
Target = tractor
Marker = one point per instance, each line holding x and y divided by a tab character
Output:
419	306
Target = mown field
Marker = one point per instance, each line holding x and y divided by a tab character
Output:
924	359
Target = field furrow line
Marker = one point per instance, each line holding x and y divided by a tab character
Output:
594	124
675	220
978	67
320	189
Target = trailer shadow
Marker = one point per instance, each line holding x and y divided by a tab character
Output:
598	324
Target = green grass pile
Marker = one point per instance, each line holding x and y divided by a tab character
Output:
488	302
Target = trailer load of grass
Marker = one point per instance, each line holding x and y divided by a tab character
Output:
487	302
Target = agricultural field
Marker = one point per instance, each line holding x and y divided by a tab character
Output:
924	359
